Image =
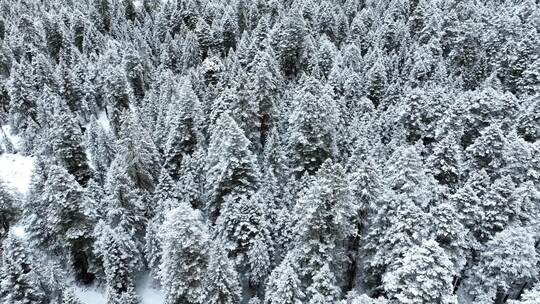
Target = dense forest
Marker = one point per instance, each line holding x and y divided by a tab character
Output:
272	151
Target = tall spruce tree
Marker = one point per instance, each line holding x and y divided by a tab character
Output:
184	262
231	168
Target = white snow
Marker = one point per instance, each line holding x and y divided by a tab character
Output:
16	171
152	296
19	231
103	120
90	295
14	139
148	293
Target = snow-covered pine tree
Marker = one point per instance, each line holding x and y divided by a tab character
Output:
185	241
264	80
60	218
9	209
135	72
221	283
284	285
527	125
446	162
22	101
101	148
529	297
121	261
324	288
137	152
288	39
123	201
231	168
423	275
19	283
243	223
182	134
67	143
312	129
116	95
326	223
509	258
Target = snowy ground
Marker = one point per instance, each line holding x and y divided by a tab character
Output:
104	121
148	294
15	169
90	295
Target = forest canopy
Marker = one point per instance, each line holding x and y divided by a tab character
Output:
272	151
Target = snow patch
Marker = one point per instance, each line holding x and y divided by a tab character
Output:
19	231
152	296
16	171
15	140
90	295
148	293
103	120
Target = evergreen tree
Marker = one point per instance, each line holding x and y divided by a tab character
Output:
60	219
497	207
22	105
510	257
123	201
323	289
221	282
527	125
264	79
325	222
450	233
18	279
229	29
422	275
71	86
184	255
326	55
101	149
486	151
66	142
376	83
190	52
130	10
135	72
312	134
446	162
284	285
121	261
245	110
288	41
230	167
9	209
117	96
138	153
183	130
103	13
